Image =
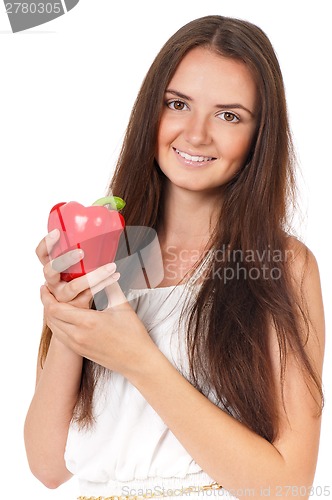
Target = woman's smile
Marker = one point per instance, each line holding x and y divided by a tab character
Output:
196	160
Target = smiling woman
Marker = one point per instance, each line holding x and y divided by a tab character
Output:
210	382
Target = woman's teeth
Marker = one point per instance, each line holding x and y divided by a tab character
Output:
194	158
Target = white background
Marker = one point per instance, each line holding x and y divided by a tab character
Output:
66	91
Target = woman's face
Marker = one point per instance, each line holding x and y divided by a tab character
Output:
208	121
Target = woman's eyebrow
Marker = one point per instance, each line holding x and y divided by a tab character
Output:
234	106
178	94
220	106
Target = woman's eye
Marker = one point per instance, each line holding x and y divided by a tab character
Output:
177	105
229	117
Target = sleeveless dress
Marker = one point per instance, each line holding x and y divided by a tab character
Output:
130	450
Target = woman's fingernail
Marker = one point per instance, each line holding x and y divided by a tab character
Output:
76	254
110	267
54	234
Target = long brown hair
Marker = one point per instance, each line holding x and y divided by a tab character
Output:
228	324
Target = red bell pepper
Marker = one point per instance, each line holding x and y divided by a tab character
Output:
95	229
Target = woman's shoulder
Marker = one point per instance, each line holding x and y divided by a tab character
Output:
300	259
306	280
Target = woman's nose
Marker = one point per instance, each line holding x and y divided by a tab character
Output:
197	130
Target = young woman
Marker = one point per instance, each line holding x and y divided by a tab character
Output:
209	383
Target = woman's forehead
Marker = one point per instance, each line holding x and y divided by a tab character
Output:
219	79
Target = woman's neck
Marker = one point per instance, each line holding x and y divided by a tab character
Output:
188	218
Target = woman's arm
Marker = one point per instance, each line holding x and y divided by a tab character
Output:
58	382
50	412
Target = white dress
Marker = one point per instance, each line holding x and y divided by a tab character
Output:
130	449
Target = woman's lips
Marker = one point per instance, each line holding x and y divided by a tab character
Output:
193	161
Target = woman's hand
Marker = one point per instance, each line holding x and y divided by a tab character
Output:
115	337
79	291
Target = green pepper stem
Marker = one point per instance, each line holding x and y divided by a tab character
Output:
115	202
